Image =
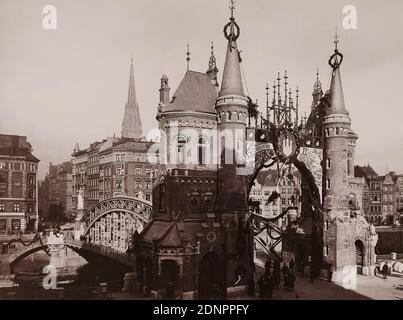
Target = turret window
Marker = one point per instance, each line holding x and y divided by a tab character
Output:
181	145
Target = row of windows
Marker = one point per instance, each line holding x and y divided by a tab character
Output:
16	207
93	159
18	166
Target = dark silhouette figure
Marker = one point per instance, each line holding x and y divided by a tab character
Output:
269	288
385	270
284	269
276	275
261	287
292	265
267	267
330	274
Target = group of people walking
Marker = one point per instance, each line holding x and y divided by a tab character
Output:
270	280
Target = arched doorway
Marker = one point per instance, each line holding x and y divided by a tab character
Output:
169	277
359	256
212	277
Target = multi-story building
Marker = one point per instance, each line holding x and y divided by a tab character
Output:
124	169
115	166
18	185
384	198
265	185
289	191
60	188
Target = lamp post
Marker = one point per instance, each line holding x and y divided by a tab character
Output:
194	251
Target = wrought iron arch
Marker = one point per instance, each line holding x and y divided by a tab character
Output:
138	208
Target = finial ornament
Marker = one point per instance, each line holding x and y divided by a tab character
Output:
337	57
233	27
188	56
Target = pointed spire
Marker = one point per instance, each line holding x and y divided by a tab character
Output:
232	78
212	67
212	61
337	105
318	85
131	125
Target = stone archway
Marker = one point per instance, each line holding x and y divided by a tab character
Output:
169	277
212	277
359	256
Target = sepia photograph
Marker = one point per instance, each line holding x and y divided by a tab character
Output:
201	150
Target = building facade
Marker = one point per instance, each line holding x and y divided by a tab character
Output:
60	190
200	239
115	166
18	185
383	196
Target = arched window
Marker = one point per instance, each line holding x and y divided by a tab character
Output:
328	183
202	151
229	116
337	131
328	163
181	146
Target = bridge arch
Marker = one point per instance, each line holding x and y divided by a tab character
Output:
112	222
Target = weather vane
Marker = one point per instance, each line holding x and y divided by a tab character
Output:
232	8
336	39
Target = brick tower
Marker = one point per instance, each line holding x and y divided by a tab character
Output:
349	240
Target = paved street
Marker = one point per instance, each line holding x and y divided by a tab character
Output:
389	289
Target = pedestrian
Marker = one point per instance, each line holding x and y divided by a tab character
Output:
286	281
311	272
385	270
284	269
269	288
276	276
291	280
330	274
267	267
292	264
260	283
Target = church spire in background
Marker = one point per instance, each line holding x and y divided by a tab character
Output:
131	125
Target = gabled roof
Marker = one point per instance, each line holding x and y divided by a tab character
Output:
364	171
267	178
195	93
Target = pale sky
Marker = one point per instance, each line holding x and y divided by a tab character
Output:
69	85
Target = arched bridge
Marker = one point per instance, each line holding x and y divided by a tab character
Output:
112	222
106	230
